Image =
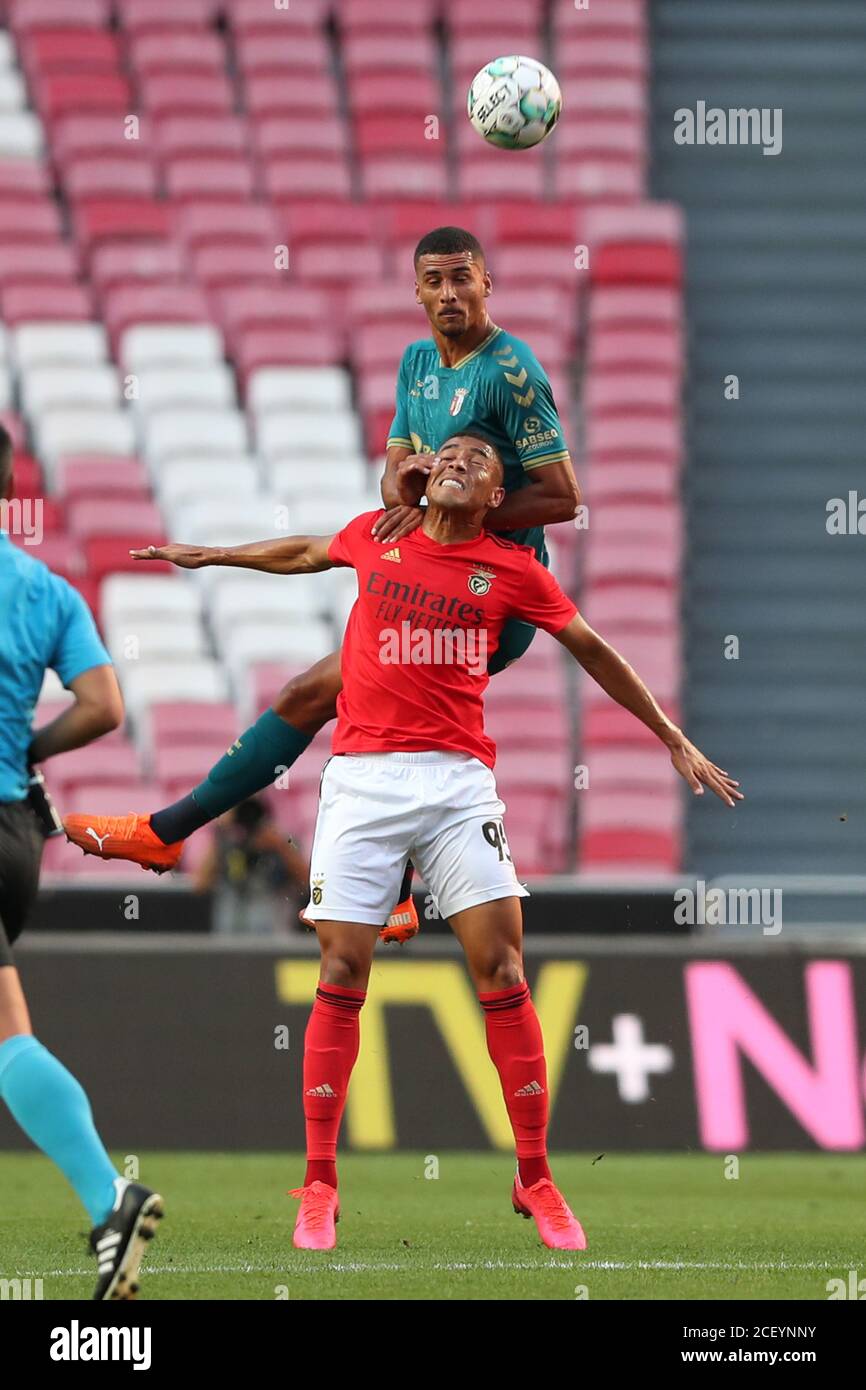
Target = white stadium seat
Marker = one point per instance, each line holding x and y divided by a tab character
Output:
93	431
187	480
8	54
303	641
294	478
218	520
161	344
139	638
150	596
264	599
44	344
208	386
322	516
290	434
210	433
21	135
13	93
303	388
45	388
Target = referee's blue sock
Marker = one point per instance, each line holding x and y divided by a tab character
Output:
53	1110
253	762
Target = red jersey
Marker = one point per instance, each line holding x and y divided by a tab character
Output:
425	624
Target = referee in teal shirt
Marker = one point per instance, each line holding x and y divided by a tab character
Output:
45	624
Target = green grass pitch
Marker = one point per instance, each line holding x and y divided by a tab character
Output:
659	1227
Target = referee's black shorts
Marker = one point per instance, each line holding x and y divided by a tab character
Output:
21	844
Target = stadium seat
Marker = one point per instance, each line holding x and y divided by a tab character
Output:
26	262
192	178
308	388
161	344
44	344
201	137
170	723
270	95
98	220
186	52
322	175
276	53
21	304
276	137
137	263
146	682
309	434
393	16
184	480
134	305
144	594
128	173
144	16
186	94
227	224
490	175
113	517
25	16
251	17
342	477
62	93
69	50
45	388
100	430
114	764
255	348
210	386
147	639
210	433
245	264
88	476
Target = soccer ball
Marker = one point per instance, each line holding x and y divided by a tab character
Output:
514	102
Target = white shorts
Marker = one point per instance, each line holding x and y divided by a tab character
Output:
376	810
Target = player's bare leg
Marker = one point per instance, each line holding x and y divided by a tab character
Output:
492	939
54	1112
330	1050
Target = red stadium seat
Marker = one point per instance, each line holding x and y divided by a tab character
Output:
94	134
481	15
227	224
225	267
106	554
620	350
113	516
136	263
389	52
629	307
45	303
24	178
102	764
26	262
187	52
372	92
600	55
249	307
194	179
626	850
328	265
617	18
182	765
469	53
386	304
267	94
178	94
320	176
490	174
126	305
329	222
59	94
268	347
613	393
28	476
69	50
391	16
252	17
142	16
405	176
278	53
599	178
189	722
405	222
103	478
382	344
325	134
603	722
29	218
126	174
110	218
201	136
377	134
627	436
28	15
637	264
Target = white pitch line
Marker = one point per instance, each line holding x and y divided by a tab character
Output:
457	1266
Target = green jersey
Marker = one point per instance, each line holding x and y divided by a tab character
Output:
500	390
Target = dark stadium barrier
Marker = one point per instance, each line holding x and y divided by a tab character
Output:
186	1043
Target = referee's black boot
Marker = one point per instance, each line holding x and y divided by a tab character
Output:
120	1241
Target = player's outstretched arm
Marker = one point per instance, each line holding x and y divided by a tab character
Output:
613	673
284	555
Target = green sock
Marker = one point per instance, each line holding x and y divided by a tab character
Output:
253	762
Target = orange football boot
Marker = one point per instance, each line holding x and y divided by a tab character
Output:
122	837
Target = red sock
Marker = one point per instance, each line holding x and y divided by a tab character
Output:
330	1050
517	1049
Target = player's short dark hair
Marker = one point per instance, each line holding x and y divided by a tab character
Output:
5	458
449	241
483	438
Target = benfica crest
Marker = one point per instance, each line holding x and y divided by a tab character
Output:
479	581
457	400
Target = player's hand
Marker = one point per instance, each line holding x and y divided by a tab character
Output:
397	522
410	477
188	557
699	772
